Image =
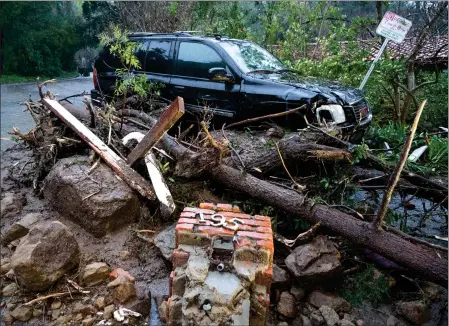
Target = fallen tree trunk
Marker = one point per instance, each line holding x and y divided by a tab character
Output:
425	259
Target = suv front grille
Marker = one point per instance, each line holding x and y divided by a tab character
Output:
360	110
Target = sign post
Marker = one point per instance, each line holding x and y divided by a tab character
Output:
393	28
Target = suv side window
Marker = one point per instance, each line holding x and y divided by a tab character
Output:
157	57
195	60
140	52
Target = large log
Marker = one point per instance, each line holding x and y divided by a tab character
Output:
427	260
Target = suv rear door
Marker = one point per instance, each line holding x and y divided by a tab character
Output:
158	62
190	79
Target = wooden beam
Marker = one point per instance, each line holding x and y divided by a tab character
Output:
126	173
164	123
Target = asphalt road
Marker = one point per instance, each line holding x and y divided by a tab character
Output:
12	95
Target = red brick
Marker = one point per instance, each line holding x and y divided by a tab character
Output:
265	278
179	258
236	209
262	218
243	243
255	235
120	272
262	229
188	214
266	244
236	215
207	206
198	210
214	230
184	227
245	227
224	207
266	224
192	221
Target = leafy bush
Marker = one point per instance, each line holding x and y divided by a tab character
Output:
84	58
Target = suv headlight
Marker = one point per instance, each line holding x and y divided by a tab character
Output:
333	112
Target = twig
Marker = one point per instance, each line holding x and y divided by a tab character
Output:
269	116
184	133
92	194
286	170
209	137
146	231
77	287
137	123
53	295
39	86
23	167
302	236
76	95
394	178
350	270
231	147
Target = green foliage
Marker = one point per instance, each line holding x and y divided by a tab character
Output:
119	45
39	38
366	286
359	152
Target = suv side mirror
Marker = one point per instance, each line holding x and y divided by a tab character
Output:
220	74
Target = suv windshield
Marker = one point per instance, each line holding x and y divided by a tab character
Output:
251	57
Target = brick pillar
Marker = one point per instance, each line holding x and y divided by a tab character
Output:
246	252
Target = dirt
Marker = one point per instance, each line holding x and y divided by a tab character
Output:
119	249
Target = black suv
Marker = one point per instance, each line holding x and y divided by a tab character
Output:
236	79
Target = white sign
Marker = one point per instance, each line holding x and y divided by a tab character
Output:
393	27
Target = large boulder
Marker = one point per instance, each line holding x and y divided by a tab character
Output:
315	261
165	241
98	201
48	252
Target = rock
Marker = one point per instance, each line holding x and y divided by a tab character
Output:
281	279
165	241
345	322
305	321
162	310
83	309
79	316
11	205
282	323
55	314
108	311
120	272
100	303
298	293
316	319
88	321
318	299
95	273
114	206
392	321
22	313
37	312
56	305
315	261
8	318
5	266
48	252
124	292
431	290
416	312
297	321
330	316
140	305
9	290
287	305
21	228
360	322
349	317
124	254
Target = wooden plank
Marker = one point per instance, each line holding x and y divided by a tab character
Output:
118	165
165	122
160	187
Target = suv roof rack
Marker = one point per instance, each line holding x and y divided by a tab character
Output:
181	33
